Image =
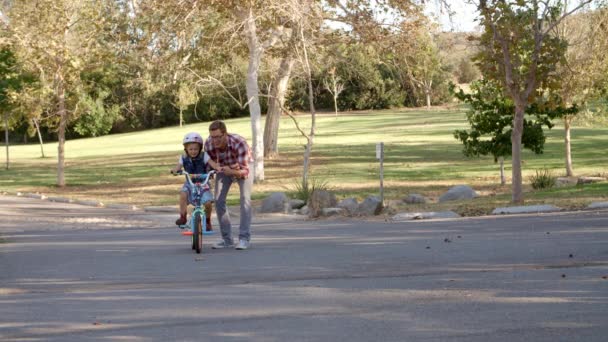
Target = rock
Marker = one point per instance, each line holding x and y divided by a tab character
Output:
598	205
414	199
565	181
525	209
350	205
89	203
370	206
297	203
304	210
589	180
276	202
425	215
60	199
333	212
320	199
458	192
122	206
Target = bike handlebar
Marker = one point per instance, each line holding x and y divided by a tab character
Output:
185	173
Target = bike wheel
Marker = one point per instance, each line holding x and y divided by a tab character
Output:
197	237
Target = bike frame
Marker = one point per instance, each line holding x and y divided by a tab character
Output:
198	189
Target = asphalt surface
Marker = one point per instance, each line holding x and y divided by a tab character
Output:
76	273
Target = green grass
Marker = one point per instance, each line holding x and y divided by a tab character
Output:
421	156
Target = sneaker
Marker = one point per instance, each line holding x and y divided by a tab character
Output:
243	244
181	221
222	244
209	226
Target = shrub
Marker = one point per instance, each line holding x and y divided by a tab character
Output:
305	190
543	179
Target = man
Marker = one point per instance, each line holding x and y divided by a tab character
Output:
232	155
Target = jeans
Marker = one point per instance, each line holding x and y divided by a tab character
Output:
222	186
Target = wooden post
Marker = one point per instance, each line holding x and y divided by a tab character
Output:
380	156
6	136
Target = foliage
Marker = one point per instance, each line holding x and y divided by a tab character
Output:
520	50
304	189
97	118
10	80
421	157
543	179
13	80
466	72
491	121
368	83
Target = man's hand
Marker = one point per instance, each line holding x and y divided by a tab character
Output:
232	170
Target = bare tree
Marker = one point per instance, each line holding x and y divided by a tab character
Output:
334	86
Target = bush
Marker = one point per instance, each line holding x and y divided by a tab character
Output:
305	190
543	179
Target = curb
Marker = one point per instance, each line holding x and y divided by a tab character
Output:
90	203
525	209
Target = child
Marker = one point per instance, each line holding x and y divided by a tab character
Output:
194	161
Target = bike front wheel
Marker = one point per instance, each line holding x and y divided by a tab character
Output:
197	236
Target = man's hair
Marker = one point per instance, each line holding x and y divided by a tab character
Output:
218	124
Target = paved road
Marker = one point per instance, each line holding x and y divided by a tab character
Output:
72	273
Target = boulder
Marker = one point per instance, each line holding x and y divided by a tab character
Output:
370	206
320	199
589	180
414	199
297	203
458	192
350	205
565	181
276	202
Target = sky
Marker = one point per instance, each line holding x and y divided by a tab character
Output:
462	21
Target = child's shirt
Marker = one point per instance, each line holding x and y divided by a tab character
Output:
195	165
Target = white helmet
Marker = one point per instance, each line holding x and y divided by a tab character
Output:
192	137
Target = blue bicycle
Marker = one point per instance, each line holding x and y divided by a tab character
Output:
200	193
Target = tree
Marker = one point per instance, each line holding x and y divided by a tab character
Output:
585	34
59	38
466	72
520	50
491	121
10	82
334	86
424	65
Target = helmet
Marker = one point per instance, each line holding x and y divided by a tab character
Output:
192	137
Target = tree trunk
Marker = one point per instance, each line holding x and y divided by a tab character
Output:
503	180
276	102
63	122
39	136
6	137
336	103
567	124
428	99
516	134
255	55
311	100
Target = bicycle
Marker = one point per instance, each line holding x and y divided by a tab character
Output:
197	224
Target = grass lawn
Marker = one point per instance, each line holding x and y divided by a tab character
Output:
421	156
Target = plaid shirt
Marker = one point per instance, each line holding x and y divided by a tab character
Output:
237	152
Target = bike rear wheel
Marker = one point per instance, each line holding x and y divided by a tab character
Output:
197	236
